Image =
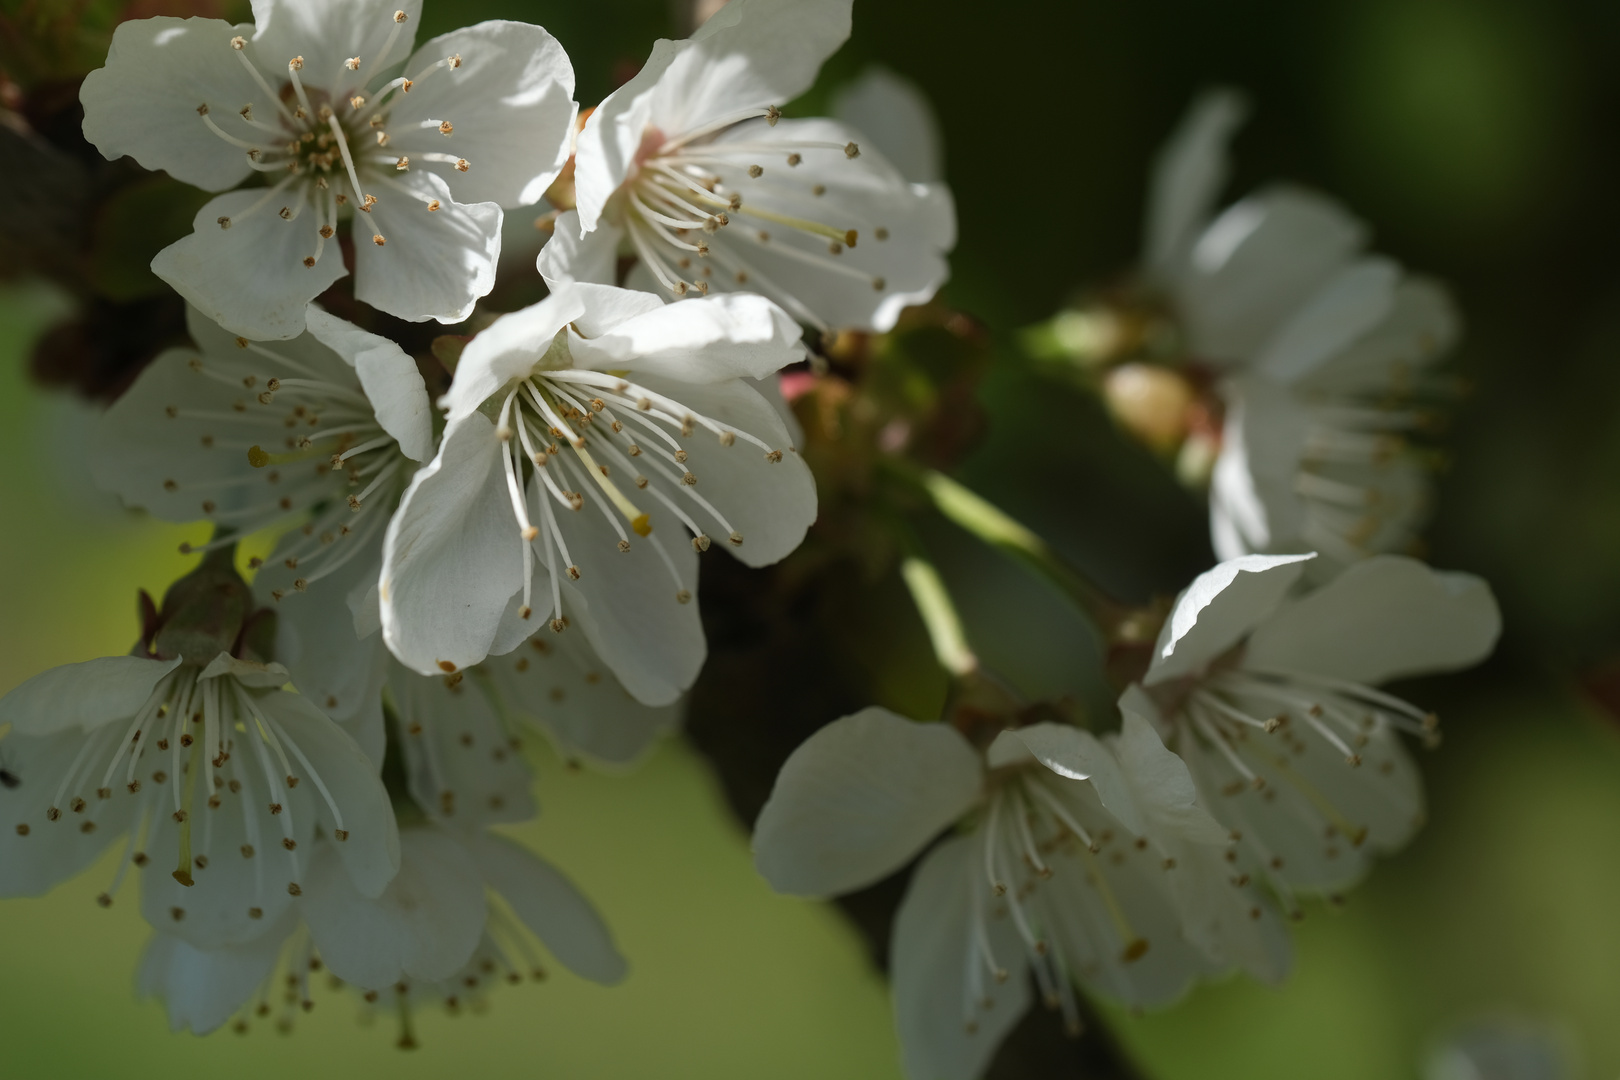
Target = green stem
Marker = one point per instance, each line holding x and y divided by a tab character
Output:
995	527
939	615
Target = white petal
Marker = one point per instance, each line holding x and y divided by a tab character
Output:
707	340
82	697
144	101
1253	486
390	377
435	264
507	349
424	926
1232	924
339	671
860	798
1420	328
1079	758
327	34
770	504
459	762
371	851
551	906
1161	785
1382	619
1089	938
627	602
1218	609
251	277
558	682
453	554
896	118
248	673
1188	175
1256	264
863	287
567	257
1352	302
929	960
749	55
216	910
510	101
203	988
51	852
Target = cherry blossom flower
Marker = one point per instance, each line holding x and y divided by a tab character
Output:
1077	860
691	169
1273	703
1319	349
321	432
421	163
594	442
211	766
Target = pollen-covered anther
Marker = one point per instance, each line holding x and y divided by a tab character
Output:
377	238
756	171
573	573
700	543
223	222
683	597
403	163
772	115
735	539
851	150
238	43
340	835
794	159
293	889
446	127
453	60
461	165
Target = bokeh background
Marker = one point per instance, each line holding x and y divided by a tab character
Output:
1477	137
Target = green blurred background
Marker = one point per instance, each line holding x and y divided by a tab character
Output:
1476	136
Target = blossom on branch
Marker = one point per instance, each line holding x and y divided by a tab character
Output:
420	163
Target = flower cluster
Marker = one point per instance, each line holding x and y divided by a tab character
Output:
499	535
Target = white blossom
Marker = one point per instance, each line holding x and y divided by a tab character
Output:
321	432
1319	347
691	169
211	768
1272	702
421	164
594	441
1077	860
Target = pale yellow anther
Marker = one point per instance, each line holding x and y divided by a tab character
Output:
352	63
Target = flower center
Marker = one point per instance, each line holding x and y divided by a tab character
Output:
705	196
591	436
328	146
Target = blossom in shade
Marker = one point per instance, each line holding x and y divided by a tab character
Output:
211	768
326	102
595	442
1318	351
318	436
1077	860
691	169
1272	700
433	935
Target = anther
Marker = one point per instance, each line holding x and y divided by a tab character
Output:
755	171
794	159
461	165
377	238
352	63
223	222
700	543
434	205
736	539
403	163
238	43
573	572
293	889
683	597
400	16
624	545
446	128
879	284
772	113
340	835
